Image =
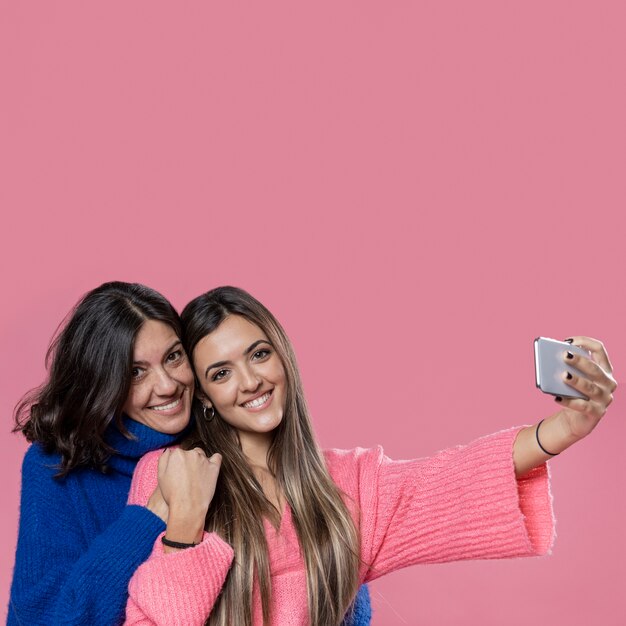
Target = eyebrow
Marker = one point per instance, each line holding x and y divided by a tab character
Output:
178	342
247	351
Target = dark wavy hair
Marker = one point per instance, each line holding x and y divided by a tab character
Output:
89	362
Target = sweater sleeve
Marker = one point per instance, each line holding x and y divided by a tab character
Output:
462	503
177	588
60	577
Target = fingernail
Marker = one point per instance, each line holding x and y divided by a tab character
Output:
569	340
558	399
570	355
568	376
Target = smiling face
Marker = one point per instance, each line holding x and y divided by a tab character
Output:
242	376
162	380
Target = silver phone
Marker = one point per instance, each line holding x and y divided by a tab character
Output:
550	366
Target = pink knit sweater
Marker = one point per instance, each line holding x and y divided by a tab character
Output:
462	503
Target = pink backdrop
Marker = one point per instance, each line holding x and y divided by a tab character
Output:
416	189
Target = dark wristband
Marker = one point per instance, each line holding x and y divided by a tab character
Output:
176	544
539	442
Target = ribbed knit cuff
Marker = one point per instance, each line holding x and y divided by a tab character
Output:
140	524
181	587
523	518
535	502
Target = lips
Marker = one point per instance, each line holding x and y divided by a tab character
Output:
167	407
259	401
170	407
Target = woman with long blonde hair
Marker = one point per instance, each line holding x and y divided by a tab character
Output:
264	528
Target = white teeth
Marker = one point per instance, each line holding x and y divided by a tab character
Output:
166	407
257	401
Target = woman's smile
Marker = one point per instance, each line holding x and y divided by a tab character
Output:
260	402
170	407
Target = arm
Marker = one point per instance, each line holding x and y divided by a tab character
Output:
178	586
462	503
578	417
60	576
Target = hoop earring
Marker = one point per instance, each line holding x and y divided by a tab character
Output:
210	418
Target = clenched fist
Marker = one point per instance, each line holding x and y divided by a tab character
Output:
187	480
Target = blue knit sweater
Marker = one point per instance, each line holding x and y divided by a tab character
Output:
79	542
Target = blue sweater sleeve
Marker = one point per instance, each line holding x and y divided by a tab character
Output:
62	578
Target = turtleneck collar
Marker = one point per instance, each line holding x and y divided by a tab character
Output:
145	439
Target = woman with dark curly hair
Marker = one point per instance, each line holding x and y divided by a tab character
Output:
119	386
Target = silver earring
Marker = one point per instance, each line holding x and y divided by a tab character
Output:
210	418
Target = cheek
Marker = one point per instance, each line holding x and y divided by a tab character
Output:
278	378
186	374
223	396
136	400
278	374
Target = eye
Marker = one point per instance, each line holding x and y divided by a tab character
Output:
172	357
219	375
136	373
261	354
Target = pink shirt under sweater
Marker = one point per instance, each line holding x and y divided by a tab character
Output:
462	503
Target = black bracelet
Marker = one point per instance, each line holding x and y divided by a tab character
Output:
539	442
177	544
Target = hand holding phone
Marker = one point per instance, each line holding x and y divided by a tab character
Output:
550	367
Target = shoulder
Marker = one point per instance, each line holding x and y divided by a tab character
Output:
45	497
350	468
36	456
40	465
145	478
336	458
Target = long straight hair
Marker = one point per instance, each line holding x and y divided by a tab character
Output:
89	362
328	537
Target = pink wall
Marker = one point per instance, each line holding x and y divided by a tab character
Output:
416	189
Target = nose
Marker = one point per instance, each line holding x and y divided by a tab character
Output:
165	385
249	381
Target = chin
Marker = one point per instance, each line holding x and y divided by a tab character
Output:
272	423
173	426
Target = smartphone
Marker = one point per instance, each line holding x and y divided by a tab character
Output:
550	367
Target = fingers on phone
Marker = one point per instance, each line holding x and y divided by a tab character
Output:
586	366
582	384
595	392
591	370
596	348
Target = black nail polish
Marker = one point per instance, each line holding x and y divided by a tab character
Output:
568	376
569	340
558	399
570	355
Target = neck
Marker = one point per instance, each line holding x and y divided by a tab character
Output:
129	449
255	447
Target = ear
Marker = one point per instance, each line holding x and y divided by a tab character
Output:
203	398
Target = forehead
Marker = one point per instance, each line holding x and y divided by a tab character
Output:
153	339
228	341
